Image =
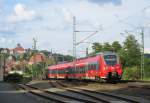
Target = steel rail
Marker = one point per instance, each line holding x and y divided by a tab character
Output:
103	93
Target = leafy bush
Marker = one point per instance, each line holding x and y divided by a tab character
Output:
15	77
26	79
132	73
147	73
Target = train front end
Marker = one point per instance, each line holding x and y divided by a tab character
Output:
112	66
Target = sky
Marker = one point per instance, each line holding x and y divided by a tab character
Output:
51	22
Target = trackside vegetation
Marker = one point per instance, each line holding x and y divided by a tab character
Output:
130	55
129	52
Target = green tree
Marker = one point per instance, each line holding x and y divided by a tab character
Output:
97	47
131	52
107	47
147	68
116	46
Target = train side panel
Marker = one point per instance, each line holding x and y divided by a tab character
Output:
104	66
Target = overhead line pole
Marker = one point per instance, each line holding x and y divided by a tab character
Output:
142	54
142	73
74	42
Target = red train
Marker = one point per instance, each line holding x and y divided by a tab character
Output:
105	65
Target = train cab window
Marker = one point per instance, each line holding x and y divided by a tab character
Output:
110	59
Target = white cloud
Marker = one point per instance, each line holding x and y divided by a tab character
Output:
21	13
67	15
147	50
6	42
147	11
1	3
54	30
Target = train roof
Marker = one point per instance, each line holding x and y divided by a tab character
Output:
82	61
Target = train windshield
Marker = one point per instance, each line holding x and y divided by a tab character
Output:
110	59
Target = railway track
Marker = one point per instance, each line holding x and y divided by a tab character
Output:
53	96
106	97
77	92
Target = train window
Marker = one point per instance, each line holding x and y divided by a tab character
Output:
110	59
89	67
72	70
84	69
94	66
50	71
79	70
69	70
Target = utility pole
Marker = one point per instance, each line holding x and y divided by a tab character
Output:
87	52
34	44
142	54
74	42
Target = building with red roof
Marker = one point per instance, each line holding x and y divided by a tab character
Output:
39	57
19	49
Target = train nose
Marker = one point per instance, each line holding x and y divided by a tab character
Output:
114	68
